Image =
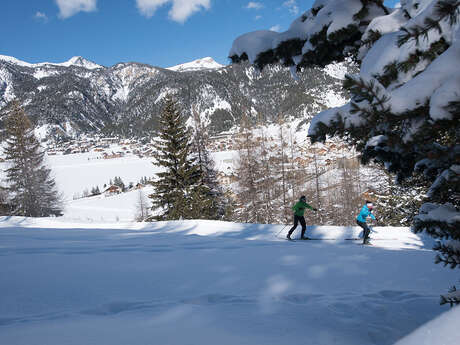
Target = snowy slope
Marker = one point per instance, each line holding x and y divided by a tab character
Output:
207	282
100	209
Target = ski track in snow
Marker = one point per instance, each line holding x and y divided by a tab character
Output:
208	282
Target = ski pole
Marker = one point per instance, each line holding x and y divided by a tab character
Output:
281	230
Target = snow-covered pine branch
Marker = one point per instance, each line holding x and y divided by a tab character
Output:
330	31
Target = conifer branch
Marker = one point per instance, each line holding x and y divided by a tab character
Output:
444	9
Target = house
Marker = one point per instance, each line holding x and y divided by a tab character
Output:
112	190
113	155
321	152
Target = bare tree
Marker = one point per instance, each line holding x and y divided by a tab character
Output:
282	159
268	180
142	207
248	173
317	184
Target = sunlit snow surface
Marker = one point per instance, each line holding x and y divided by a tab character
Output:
208	282
96	277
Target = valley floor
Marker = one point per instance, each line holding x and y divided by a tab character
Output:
205	282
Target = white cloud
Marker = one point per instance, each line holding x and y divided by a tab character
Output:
254	5
292	6
181	9
276	28
41	16
148	7
258	17
68	8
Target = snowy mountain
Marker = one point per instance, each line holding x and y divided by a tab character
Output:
74	61
79	96
197	65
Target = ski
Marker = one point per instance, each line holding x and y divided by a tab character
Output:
346	239
333	239
324	239
340	239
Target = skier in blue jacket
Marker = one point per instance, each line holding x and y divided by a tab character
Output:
366	211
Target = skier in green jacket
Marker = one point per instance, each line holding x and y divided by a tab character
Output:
299	210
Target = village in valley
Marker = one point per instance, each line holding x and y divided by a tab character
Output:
330	156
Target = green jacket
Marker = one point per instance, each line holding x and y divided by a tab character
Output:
299	208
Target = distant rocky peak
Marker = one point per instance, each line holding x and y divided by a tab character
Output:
74	61
197	65
81	62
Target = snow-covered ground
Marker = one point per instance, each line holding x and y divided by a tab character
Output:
100	209
207	282
94	276
76	172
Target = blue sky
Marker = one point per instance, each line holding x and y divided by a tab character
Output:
157	32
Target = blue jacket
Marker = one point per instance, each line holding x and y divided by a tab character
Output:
365	212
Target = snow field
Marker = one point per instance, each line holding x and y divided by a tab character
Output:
209	282
76	172
100	209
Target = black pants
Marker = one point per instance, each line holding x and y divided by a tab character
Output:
298	219
365	229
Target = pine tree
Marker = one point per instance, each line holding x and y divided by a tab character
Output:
399	202
4	204
95	191
208	199
174	187
117	181
32	190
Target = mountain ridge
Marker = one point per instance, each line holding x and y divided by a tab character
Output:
73	61
74	97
